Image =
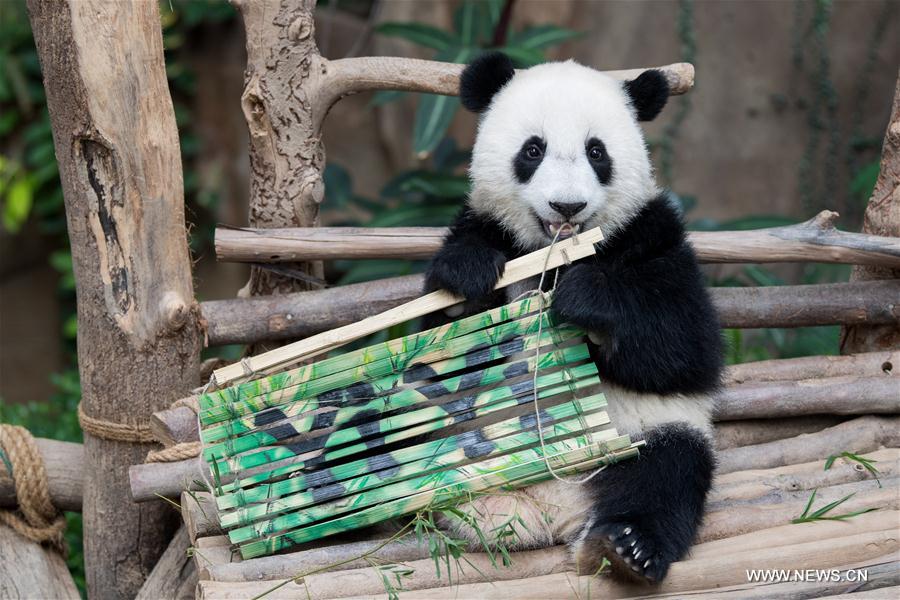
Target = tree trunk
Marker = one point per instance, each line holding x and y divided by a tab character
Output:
286	152
882	218
138	333
29	570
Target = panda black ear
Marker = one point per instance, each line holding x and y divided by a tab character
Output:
649	93
484	78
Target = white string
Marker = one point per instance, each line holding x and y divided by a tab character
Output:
537	359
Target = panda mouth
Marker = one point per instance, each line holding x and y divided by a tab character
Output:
559	230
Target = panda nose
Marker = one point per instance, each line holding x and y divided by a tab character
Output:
568	209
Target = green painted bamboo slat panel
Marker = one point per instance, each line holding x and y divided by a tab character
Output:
319	381
357	438
491	440
377	391
527	465
356	358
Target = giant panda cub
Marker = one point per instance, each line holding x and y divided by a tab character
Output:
558	150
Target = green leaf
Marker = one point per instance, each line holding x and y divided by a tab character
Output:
541	37
420	33
523	57
440	185
433	118
338	185
435	113
17	205
465	22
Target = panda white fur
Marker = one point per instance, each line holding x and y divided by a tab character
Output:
559	148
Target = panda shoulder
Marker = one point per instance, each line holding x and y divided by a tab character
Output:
658	228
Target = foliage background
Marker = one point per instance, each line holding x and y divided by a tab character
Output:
412	170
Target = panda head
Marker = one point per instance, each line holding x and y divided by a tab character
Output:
559	147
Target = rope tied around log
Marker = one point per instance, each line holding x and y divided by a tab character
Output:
114	432
141	434
183	450
37	519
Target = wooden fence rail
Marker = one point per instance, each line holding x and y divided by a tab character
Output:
816	240
301	314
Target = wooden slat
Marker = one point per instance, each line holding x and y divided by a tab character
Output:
241	321
816	240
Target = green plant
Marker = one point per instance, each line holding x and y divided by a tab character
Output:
478	25
866	463
822	514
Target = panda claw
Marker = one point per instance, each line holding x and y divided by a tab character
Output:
647	564
627	531
619	550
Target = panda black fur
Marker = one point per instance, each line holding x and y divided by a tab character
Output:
559	146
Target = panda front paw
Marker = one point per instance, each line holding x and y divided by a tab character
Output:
470	272
634	553
580	299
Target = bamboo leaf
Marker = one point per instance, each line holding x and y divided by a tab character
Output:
421	34
465	22
523	57
541	37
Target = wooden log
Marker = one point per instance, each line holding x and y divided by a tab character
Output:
29	570
323	559
303	314
201	518
64	463
881	578
860	435
787	534
872	302
813	367
139	336
815	240
834	395
151	481
347	76
476	568
734	434
745	518
307	313
760	483
882	217
684	576
175	575
356	574
175	425
287	156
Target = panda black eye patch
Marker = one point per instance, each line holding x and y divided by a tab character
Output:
529	158
599	159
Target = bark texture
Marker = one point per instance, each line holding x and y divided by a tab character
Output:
286	151
64	463
882	218
138	333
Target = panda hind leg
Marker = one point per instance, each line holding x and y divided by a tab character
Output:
646	511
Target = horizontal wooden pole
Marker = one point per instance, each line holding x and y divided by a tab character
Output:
816	240
863	434
336	79
870	302
833	395
298	315
64	463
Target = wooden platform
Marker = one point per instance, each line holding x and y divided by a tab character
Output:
748	526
